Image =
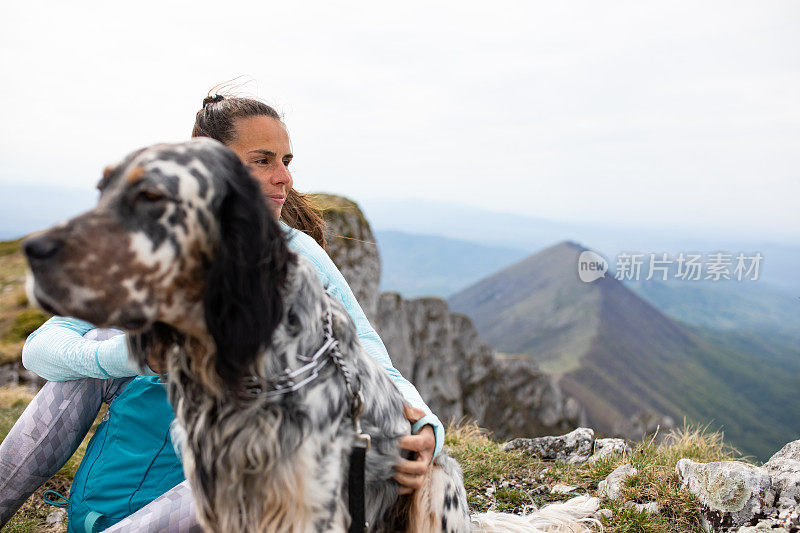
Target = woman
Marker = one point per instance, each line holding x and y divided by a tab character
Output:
130	460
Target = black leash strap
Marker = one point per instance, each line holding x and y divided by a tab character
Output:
355	485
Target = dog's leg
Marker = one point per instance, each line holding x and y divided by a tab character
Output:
441	503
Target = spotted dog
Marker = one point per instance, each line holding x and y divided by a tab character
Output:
183	253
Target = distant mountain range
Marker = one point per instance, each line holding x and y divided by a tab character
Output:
25	208
429	265
530	234
619	355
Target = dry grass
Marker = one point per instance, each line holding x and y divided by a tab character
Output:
495	479
529	480
17	318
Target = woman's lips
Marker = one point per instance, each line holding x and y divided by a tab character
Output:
277	198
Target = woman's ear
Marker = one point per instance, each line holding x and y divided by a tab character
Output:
243	292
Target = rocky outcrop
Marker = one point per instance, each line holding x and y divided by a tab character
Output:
784	470
460	376
743	497
439	351
731	493
574	447
352	247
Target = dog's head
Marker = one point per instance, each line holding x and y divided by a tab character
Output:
181	244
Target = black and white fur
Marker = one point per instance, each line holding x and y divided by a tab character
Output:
186	257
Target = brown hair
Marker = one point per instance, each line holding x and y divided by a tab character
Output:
217	120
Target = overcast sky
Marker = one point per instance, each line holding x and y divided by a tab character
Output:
652	113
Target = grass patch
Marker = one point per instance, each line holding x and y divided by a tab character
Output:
511	481
500	480
10	247
25	323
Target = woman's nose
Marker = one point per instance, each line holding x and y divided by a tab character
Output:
281	175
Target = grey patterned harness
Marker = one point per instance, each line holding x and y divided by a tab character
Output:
290	381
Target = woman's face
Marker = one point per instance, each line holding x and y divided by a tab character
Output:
262	143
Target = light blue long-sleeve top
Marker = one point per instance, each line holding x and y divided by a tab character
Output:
58	351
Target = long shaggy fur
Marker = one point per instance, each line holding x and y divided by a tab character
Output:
204	280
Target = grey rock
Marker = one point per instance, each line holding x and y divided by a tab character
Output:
731	493
15	374
784	469
769	524
560	488
611	486
649	507
352	247
604	513
607	447
574	447
55	517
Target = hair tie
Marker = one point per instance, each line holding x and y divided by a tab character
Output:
212	99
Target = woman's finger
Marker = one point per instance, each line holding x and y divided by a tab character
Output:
410	481
417	467
415	443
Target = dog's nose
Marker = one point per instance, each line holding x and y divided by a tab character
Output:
41	247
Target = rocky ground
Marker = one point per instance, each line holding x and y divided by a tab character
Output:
688	482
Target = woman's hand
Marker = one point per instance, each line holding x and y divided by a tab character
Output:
411	473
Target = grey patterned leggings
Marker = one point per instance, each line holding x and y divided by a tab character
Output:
48	433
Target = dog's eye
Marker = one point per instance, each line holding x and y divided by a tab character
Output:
150	196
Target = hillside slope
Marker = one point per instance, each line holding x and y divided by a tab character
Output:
429	265
620	356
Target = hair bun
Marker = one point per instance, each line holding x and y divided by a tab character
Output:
212	99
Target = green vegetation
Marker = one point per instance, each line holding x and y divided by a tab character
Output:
10	247
511	481
25	323
495	479
17	318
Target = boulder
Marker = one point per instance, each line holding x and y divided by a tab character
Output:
611	486
731	493
573	448
608	447
784	469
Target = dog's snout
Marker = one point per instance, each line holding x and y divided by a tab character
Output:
41	247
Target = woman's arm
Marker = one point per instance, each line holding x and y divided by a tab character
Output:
58	351
337	285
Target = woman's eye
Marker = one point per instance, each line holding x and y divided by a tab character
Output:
261	161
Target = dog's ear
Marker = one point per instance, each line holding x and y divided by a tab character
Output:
150	347
243	293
